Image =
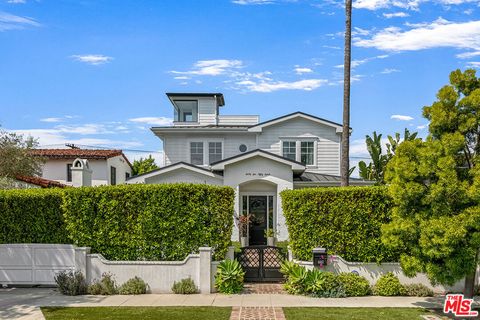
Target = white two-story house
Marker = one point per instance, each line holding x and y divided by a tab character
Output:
257	159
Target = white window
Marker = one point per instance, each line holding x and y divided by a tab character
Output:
196	153
307	152
214	151
289	149
186	110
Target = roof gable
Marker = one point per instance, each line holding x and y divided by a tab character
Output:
258	127
172	167
220	165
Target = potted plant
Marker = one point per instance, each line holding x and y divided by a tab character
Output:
270	235
244	221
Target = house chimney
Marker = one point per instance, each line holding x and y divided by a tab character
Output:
81	173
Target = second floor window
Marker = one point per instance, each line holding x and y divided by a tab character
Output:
214	151
113	176
306	152
289	149
196	153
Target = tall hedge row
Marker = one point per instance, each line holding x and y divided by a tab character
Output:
346	221
32	216
150	222
129	222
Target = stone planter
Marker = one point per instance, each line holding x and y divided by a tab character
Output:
243	242
271	241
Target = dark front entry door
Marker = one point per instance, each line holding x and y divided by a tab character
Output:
258	218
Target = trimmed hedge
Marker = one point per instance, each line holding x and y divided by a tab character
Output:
32	216
150	222
346	221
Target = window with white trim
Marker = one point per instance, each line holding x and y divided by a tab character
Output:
289	150
214	151
307	150
196	153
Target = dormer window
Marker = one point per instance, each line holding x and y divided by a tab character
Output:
186	110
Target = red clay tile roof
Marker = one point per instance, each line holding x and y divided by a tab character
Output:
78	153
44	183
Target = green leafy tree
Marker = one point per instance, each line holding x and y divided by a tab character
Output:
375	170
15	158
144	165
435	186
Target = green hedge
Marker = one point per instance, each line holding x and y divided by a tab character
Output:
346	221
32	216
150	222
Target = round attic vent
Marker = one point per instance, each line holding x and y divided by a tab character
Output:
242	148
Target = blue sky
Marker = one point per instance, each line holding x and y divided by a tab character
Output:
96	72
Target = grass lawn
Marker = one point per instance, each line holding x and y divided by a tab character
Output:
126	313
312	313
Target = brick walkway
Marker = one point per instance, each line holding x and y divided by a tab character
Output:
257	313
263	288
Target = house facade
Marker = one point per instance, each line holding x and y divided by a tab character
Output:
258	159
108	167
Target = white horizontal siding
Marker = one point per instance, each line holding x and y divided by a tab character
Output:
242	120
206	110
328	146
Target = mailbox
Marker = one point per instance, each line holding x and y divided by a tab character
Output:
320	257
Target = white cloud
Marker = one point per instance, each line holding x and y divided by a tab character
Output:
51	119
136	155
467	55
421	127
270	86
85	129
212	67
158	121
302	70
401	117
439	33
404	4
395	15
12	22
356	63
474	64
16	1
252	2
48	137
92	59
389	70
181	78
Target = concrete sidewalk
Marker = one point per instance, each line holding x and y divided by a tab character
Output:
23	303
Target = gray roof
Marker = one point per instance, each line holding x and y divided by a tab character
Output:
313	177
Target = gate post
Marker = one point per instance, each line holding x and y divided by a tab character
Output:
205	270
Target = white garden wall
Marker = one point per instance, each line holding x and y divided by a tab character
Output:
373	271
37	264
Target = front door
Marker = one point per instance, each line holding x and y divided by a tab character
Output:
258	217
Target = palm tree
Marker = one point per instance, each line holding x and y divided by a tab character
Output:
344	168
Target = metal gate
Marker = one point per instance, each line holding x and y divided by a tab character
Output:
261	263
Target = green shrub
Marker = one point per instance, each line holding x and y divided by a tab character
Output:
184	286
299	280
295	277
150	222
388	285
134	285
32	216
354	285
418	290
71	283
229	277
347	221
105	286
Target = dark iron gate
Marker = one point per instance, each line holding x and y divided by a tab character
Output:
261	263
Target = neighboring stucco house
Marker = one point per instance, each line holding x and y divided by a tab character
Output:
257	159
109	167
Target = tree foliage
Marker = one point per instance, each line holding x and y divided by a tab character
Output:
144	165
15	158
375	170
435	186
